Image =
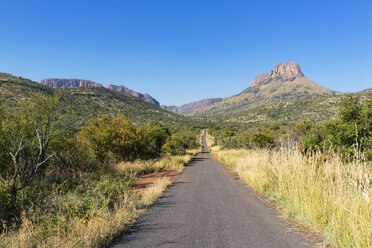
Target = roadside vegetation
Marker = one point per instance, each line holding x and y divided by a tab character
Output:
319	173
349	135
68	186
327	194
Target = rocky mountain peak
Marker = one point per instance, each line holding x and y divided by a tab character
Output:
68	83
143	96
284	71
75	83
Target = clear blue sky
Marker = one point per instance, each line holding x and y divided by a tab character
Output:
181	51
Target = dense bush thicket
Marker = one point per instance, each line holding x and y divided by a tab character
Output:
117	139
42	152
350	133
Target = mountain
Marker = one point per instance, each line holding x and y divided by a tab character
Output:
76	83
192	105
285	71
145	97
284	83
90	101
68	83
288	113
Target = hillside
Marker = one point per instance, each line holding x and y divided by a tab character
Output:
145	97
76	83
285	83
192	105
89	101
288	113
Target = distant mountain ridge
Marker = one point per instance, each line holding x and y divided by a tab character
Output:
58	83
145	97
192	105
285	83
89	101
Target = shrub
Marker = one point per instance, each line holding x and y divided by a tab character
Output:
107	136
262	139
178	143
25	136
153	137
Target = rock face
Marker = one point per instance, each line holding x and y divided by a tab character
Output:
285	71
145	97
192	105
68	83
75	83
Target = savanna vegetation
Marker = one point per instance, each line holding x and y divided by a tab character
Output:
349	134
69	158
318	172
93	101
68	186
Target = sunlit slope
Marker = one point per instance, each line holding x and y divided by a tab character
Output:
269	92
90	101
290	113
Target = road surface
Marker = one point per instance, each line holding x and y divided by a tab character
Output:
206	207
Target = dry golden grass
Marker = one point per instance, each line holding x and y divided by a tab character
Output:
326	194
209	139
140	167
56	229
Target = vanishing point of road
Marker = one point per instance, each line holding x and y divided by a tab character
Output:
206	207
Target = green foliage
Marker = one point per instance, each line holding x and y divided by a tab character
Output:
117	138
178	143
304	127
352	132
153	137
25	134
264	138
311	142
107	136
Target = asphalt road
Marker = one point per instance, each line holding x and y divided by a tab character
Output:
207	207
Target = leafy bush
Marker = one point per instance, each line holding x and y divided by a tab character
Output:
26	133
178	143
351	133
153	137
107	136
262	139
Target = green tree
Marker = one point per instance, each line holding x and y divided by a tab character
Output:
153	137
351	133
179	142
107	136
26	133
262	139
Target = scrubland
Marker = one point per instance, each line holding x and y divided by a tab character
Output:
93	213
322	192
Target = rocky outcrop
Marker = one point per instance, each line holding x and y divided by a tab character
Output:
145	97
285	71
68	83
75	83
192	105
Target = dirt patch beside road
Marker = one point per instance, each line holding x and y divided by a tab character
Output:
148	180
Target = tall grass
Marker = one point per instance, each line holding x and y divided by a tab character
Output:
93	213
327	194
